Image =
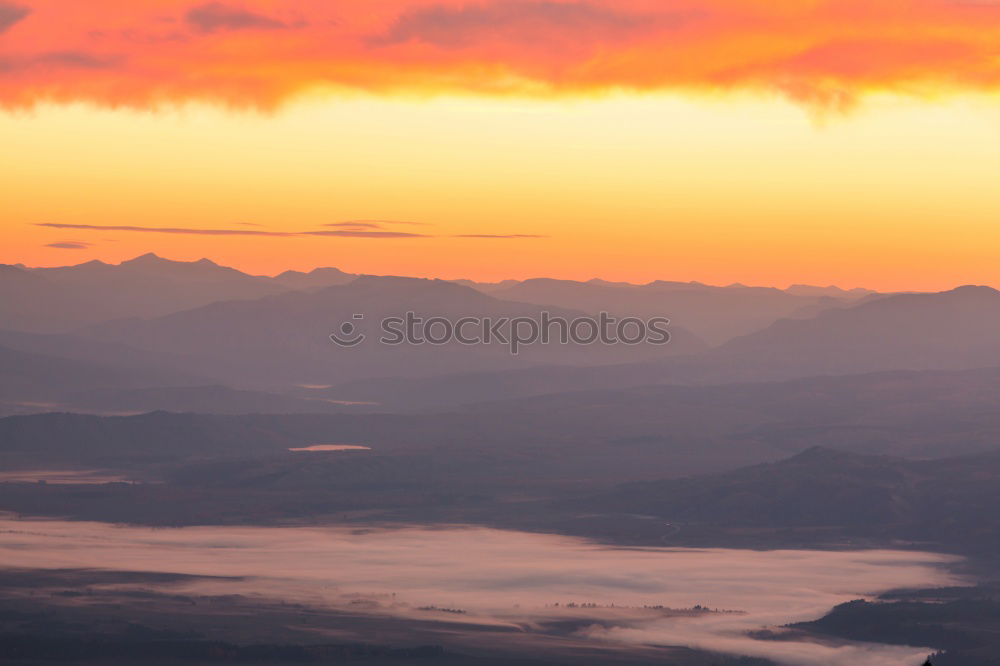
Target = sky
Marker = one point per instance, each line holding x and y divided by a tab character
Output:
817	141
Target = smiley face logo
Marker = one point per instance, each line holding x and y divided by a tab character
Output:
348	335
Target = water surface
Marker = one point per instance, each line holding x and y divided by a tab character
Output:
322	448
61	477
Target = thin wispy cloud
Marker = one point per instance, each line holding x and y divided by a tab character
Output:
500	236
347	233
354	225
167	230
341	233
69	245
357	229
387	223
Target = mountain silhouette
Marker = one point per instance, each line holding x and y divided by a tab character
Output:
283	340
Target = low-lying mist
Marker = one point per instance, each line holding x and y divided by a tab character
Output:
508	578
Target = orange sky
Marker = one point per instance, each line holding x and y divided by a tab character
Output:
762	142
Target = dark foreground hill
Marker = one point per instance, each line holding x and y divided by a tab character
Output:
952	503
635	434
961	622
454	468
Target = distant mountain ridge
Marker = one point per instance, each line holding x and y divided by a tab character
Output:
715	314
284	339
61	299
66	297
951	330
315	279
954	501
200	319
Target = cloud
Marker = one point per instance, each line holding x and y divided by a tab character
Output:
384	223
362	225
11	14
231	232
344	233
78	59
69	245
525	22
829	53
167	230
502	236
54	60
355	225
216	16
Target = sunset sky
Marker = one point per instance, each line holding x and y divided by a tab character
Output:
760	141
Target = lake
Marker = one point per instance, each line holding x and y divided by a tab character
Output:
58	477
327	448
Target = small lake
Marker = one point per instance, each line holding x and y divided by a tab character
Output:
510	578
61	477
327	448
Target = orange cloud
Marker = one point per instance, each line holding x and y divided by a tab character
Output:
260	53
215	16
11	14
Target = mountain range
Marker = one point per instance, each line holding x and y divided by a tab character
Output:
178	332
956	329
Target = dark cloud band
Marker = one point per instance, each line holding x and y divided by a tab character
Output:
11	14
218	16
